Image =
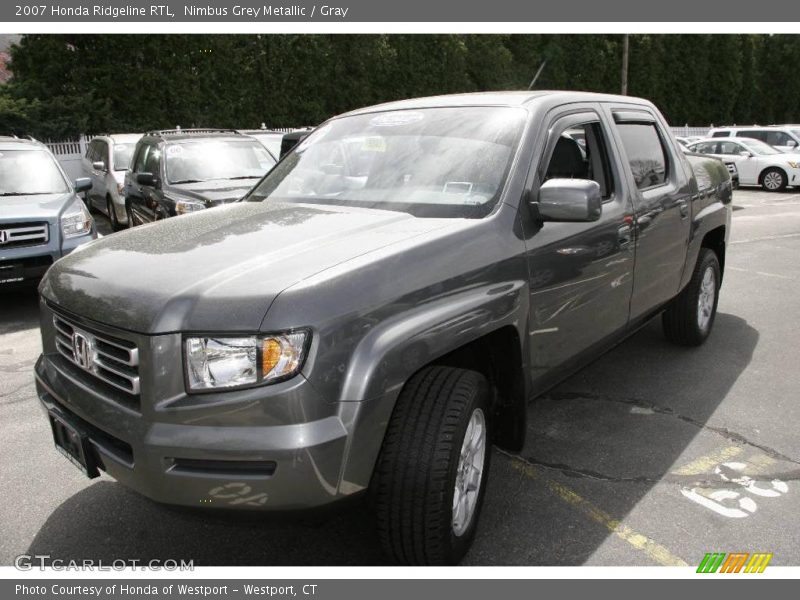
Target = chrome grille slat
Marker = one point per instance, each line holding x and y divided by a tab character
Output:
117	370
24	234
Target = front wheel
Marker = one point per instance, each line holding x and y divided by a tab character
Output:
774	180
688	319
431	476
112	214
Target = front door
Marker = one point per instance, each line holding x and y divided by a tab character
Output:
581	274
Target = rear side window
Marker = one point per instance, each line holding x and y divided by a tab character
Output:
646	155
722	133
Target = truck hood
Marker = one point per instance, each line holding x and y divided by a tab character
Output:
214	193
217	270
45	207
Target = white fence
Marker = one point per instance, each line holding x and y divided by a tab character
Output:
69	154
687	131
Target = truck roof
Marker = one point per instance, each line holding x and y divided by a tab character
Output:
504	98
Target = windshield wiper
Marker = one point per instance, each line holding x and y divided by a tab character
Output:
245	177
188	181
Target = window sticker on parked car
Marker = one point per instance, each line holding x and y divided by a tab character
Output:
393	119
174	150
374	144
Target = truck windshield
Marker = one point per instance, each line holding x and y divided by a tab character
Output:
208	160
28	172
122	156
435	162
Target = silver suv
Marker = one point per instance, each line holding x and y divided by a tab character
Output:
105	162
41	217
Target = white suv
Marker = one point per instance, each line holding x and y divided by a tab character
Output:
105	162
785	138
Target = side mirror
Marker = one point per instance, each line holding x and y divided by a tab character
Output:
147	179
99	165
82	184
570	200
745	154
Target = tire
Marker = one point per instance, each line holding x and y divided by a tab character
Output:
415	480
689	318
129	212
774	180
112	214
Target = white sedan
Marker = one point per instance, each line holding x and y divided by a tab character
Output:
758	163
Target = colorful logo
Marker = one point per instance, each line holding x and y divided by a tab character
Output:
734	562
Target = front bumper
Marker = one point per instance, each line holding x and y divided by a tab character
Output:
215	463
28	264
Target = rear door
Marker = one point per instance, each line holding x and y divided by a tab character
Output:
581	274
662	204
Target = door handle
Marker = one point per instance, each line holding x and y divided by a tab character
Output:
683	205
624	236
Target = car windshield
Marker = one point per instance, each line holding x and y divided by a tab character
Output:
122	156
27	172
436	162
761	148
796	133
206	160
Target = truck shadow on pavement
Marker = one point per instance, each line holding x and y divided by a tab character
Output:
596	446
19	310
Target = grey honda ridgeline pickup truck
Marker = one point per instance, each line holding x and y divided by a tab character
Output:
379	309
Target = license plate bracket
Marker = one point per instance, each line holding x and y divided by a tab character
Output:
74	444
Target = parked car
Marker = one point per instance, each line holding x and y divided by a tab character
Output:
42	218
686	140
105	162
729	164
178	171
783	138
756	162
271	140
379	309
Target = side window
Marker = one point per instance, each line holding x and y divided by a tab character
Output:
778	138
151	163
706	147
756	134
581	152
723	133
729	148
141	156
646	155
101	152
89	151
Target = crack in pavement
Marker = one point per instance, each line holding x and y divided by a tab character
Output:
682	480
723	431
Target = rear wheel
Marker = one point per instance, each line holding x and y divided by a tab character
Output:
689	318
774	180
431	476
129	212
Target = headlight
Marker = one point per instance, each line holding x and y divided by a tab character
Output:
76	220
230	362
187	206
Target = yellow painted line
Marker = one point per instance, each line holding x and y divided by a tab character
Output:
760	462
705	464
655	551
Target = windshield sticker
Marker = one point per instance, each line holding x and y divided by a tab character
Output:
400	117
174	150
120	147
374	144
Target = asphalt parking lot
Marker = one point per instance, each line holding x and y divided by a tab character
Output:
653	455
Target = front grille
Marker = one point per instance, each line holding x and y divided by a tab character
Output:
18	235
111	360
